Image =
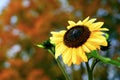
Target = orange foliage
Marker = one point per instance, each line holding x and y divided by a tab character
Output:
33	23
37	74
5	37
40	25
16	63
9	74
12	9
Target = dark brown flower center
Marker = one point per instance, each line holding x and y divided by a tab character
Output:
76	36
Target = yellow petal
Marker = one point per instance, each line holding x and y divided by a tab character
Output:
90	22
70	62
74	56
96	26
68	27
56	40
59	49
97	33
98	37
90	46
104	29
72	23
79	60
85	20
81	53
100	40
58	34
79	22
67	55
104	43
53	32
95	40
85	49
97	45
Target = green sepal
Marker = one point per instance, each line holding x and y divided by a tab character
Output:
47	45
106	36
40	46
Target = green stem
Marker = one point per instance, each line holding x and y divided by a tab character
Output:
63	70
90	71
110	61
95	61
96	55
60	66
91	68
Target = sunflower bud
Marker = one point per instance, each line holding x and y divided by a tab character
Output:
46	45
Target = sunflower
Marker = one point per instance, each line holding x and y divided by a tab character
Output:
79	39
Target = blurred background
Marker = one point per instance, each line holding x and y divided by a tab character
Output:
25	23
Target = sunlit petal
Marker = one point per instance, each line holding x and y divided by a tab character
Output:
85	20
59	49
85	49
74	56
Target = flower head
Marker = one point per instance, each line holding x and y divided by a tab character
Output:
79	39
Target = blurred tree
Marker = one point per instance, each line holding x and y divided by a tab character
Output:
25	23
